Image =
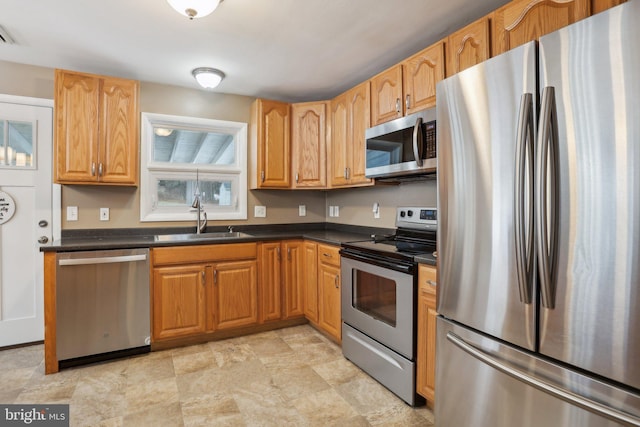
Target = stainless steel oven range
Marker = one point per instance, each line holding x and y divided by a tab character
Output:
379	300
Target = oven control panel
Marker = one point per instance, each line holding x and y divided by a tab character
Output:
419	218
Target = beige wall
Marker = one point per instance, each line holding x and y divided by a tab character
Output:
282	206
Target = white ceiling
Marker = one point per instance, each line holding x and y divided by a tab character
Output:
291	50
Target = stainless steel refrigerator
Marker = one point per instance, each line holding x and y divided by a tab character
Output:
539	232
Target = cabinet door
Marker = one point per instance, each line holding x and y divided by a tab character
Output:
236	302
329	311
598	6
521	21
426	366
308	143
359	108
270	295
386	96
338	143
179	307
310	262
119	135
272	133
421	72
468	46
77	97
293	253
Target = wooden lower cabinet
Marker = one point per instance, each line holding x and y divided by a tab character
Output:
281	280
426	357
293	272
179	304
235	294
310	287
202	289
329	301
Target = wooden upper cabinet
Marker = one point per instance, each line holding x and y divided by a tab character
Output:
308	144
350	113
386	96
97	129
409	86
420	73
339	147
598	6
468	46
521	21
270	137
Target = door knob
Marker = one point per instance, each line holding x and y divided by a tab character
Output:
43	239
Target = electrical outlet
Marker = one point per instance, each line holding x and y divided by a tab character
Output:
104	214
302	210
332	211
260	212
72	213
336	211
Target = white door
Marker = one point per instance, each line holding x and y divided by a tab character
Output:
26	189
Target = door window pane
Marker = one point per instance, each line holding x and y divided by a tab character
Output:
16	144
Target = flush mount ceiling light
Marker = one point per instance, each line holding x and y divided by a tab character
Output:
194	8
207	77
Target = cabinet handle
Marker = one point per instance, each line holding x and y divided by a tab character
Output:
336	280
289	254
345	173
262	176
297	177
278	252
407	102
100	169
326	255
215	277
398	105
93	169
432	283
348	173
204	280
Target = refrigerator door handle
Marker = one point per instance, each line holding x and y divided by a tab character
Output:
524	225
546	216
542	385
418	141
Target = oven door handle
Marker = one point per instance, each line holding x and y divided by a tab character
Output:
403	268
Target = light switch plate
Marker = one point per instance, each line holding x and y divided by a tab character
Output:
302	210
260	212
72	213
104	214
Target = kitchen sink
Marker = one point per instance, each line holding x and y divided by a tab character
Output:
202	236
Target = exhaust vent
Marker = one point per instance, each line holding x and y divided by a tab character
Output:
5	38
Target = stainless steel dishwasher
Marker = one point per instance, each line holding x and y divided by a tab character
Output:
102	305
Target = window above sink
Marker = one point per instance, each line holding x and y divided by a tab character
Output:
182	156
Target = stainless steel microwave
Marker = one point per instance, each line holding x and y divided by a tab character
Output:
402	147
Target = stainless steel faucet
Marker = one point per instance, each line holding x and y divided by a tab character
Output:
201	224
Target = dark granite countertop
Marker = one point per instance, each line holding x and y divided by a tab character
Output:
101	239
426	259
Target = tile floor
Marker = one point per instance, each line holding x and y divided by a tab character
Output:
289	377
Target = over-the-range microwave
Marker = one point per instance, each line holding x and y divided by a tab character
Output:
403	147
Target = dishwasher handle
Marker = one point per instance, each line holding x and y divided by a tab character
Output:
102	260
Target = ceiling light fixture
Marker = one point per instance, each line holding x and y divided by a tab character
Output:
194	8
208	77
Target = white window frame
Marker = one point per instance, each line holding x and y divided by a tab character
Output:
151	172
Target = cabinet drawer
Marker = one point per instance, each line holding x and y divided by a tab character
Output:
427	279
328	254
204	253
